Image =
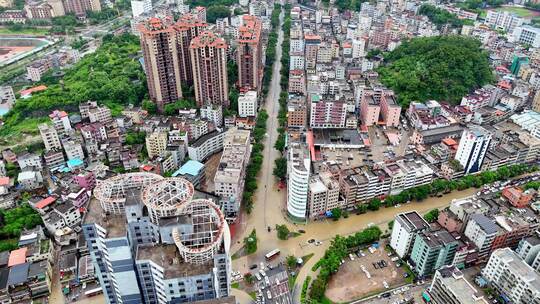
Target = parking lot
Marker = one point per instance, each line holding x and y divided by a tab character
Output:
364	276
272	286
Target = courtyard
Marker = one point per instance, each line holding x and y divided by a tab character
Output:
351	282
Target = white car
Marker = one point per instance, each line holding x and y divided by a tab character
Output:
351	257
269	295
258	277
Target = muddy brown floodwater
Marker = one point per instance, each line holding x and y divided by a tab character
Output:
271	213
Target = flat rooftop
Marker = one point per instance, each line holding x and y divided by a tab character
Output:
462	289
413	220
115	224
168	257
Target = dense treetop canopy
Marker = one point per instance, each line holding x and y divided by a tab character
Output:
443	68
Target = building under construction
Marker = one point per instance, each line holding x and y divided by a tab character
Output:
144	228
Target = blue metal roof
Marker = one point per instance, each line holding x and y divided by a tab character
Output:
191	167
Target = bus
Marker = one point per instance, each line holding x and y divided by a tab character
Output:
93	292
272	254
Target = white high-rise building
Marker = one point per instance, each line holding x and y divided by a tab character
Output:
527	35
503	20
449	286
50	137
510	275
139	7
406	227
247	104
472	148
298	169
358	48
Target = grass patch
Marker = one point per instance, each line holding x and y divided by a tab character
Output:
307	257
14	134
235	285
253	295
9	244
303	294
294	234
292	280
520	11
411	276
25	31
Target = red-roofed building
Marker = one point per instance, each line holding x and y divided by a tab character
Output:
517	197
4	185
449	142
45	202
4	181
17	257
28	92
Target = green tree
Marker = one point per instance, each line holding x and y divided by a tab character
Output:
440	68
374	204
290	261
282	232
135	138
361	208
215	12
250	242
336	213
149	106
432	216
280	169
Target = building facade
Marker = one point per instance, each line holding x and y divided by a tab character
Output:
158	44
209	65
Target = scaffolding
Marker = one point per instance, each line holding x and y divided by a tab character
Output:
112	192
208	226
167	197
202	226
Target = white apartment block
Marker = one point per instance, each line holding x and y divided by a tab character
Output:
140	7
527	35
473	145
230	175
60	122
297	45
100	114
49	137
323	195
408	174
156	144
247	104
213	113
406	227
298	169
73	150
510	275
7	95
481	230
297	61
449	286
529	251
358	48
503	20
206	145
29	160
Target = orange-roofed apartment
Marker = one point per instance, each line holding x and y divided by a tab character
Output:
158	44
209	64
249	54
517	197
17	257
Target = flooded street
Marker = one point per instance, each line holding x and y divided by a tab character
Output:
270	203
